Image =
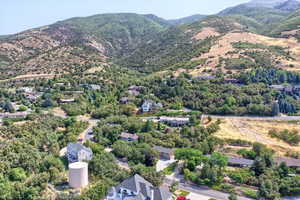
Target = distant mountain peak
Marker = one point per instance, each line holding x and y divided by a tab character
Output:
289	5
278	4
266	3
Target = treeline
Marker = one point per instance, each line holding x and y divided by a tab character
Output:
270	76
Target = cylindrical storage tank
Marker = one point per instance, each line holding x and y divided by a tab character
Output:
78	175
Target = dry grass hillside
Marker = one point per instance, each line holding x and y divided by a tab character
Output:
288	57
257	131
49	50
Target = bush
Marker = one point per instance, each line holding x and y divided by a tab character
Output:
250	193
291	137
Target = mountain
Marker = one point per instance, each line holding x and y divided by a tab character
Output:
148	43
186	20
265	3
260	14
289	26
74	45
289	5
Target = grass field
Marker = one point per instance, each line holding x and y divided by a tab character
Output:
257	131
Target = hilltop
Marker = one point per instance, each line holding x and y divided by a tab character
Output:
147	43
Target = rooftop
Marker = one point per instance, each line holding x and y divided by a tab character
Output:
163	149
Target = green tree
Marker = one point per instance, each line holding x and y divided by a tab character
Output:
17	174
232	197
268	190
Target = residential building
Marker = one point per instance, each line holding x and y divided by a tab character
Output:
165	153
147	105
77	152
150	105
14	115
71	100
175	121
129	137
124	100
205	77
137	188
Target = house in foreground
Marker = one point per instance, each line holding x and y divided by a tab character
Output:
137	188
165	153
77	152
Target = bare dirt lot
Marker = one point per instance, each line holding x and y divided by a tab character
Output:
257	131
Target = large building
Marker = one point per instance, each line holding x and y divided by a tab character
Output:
137	188
77	152
175	121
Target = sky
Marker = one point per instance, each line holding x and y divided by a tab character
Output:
20	15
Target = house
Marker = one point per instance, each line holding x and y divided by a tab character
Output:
165	153
290	162
77	152
91	86
137	188
205	77
14	115
231	80
242	162
147	105
95	87
124	100
129	137
71	100
150	105
239	162
133	92
277	87
25	90
175	121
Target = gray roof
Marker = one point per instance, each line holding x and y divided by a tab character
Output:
76	147
141	186
290	162
163	149
136	184
162	193
240	161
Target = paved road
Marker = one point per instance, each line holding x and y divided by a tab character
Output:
203	190
284	118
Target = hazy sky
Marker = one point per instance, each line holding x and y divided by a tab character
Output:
19	15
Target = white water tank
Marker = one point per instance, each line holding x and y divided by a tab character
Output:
78	175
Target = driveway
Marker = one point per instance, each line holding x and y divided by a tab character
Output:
163	164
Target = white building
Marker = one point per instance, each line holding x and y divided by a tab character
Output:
78	175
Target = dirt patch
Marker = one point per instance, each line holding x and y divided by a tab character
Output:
57	111
205	33
94	70
257	131
292	32
29	76
223	48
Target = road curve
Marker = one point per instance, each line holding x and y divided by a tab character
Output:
202	190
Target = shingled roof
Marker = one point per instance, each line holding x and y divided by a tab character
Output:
143	188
